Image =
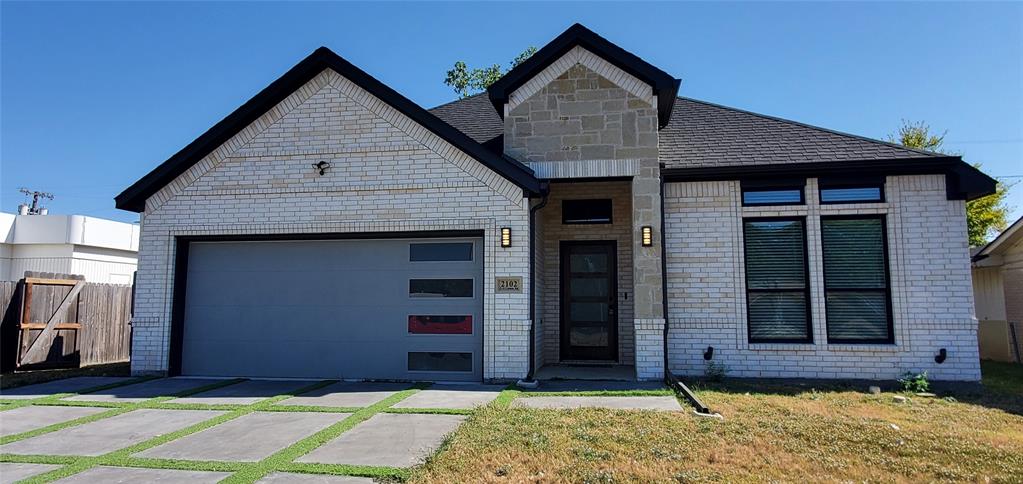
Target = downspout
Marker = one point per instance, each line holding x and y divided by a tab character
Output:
664	285
545	191
669	379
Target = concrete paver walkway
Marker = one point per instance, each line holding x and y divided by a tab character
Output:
18	420
14	472
395	440
110	434
245	393
348	394
292	478
452	396
665	403
250	437
67	385
126	475
144	390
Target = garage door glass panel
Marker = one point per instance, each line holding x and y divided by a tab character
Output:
439	361
440	324
440	287
441	252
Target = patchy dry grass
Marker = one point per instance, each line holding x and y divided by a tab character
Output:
771	432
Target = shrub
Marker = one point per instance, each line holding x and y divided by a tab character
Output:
915	382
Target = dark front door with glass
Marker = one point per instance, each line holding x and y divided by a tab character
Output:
589	303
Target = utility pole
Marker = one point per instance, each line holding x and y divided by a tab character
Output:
35	209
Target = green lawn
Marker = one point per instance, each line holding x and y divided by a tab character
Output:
772	431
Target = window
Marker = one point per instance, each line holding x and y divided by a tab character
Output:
440	287
773	192
586	211
440	324
429	361
777	291
851	189
440	252
856	279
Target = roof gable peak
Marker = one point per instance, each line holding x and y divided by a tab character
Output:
665	87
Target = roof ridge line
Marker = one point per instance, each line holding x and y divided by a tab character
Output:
818	128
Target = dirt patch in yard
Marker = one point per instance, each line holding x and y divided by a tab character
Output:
772	433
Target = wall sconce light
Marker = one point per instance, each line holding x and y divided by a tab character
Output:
709	353
648	236
505	236
322	167
940	357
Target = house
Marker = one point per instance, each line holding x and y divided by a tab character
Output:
578	213
998	292
104	251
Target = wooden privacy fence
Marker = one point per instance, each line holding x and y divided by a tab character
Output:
58	321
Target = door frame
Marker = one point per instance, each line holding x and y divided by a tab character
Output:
565	353
180	277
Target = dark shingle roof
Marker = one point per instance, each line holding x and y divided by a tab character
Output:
702	134
474	116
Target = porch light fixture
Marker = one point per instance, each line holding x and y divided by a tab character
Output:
648	236
505	236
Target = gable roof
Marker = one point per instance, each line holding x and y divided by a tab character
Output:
664	86
704	140
134	197
1006	239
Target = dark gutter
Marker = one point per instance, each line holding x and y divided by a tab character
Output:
545	190
964	182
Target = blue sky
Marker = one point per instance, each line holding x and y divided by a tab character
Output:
95	95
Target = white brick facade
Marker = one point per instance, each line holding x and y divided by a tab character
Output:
388	174
930	279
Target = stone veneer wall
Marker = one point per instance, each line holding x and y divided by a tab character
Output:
581	116
553	232
388	174
932	299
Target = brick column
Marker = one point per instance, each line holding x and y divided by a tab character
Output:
648	279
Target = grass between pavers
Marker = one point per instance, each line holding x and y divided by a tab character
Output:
430	411
286	456
123	457
49	399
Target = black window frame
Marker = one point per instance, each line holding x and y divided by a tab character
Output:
564	211
408	361
416	295
806	278
772	185
848	183
887	276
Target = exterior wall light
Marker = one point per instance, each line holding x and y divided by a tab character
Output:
648	236
505	236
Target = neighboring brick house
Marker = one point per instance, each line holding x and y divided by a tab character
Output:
577	214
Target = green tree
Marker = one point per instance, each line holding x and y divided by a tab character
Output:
466	81
985	216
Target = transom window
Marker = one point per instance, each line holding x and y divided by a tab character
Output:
861	190
595	211
856	286
773	192
777	286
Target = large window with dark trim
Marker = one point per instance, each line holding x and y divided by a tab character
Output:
777	284
595	211
856	288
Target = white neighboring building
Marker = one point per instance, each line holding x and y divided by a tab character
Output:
998	293
104	251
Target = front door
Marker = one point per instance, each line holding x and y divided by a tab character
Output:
589	301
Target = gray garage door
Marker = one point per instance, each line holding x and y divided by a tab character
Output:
373	309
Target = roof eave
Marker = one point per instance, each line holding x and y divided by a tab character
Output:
963	181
